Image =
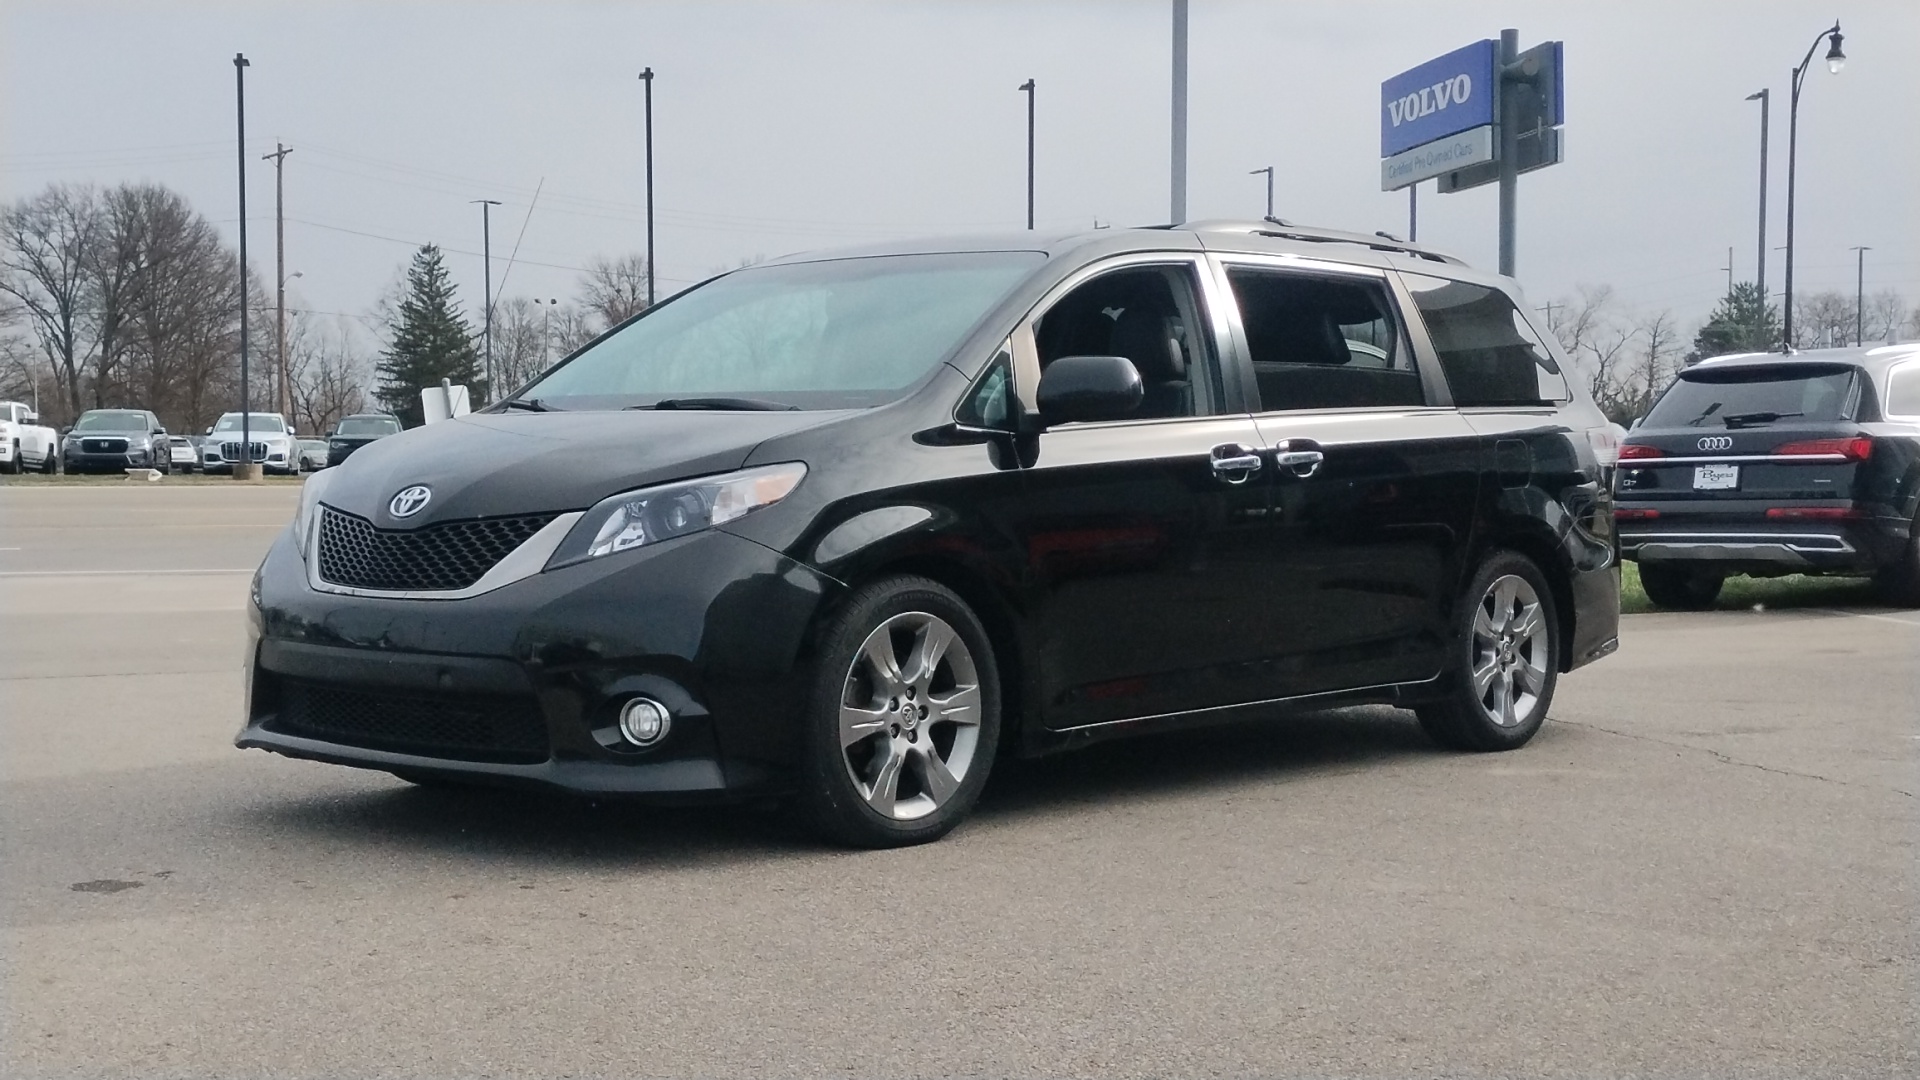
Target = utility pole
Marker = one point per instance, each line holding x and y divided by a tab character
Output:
647	78
283	392
243	469
1179	184
1027	87
1760	264
1860	296
1729	269
486	258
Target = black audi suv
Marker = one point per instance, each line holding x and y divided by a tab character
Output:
1769	464
844	528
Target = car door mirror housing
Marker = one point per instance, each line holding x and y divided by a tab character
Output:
1089	388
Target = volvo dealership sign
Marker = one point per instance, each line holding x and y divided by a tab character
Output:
1442	97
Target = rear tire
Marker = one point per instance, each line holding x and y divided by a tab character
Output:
904	717
1899	584
1506	660
1680	588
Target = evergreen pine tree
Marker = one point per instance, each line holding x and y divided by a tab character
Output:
429	341
1742	322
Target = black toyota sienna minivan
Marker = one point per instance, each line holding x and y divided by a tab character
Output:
842	529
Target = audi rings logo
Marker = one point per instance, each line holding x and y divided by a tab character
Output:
410	501
1711	442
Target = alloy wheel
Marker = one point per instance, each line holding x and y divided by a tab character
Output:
1510	651
910	716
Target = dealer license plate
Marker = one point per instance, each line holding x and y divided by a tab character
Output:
1716	477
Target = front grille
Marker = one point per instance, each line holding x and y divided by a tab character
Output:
231	451
444	557
502	729
103	446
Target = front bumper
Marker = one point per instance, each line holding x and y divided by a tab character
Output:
522	685
77	461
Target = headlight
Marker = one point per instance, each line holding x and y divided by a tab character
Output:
648	516
309	507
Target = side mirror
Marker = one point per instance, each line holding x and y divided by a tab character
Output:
209	429
1636	422
1088	388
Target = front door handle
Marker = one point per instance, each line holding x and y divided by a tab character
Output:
1235	463
1302	457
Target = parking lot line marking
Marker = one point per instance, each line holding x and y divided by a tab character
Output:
110	573
1869	615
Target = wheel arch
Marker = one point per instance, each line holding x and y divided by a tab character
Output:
1543	550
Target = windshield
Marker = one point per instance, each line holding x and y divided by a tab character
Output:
260	423
1747	397
368	425
843	333
111	420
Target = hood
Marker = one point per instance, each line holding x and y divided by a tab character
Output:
488	464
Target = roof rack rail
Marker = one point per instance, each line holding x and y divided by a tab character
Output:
1286	230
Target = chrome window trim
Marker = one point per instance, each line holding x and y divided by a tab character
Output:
1723	459
519	564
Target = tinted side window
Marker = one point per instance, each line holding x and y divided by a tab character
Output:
1489	353
1323	343
1903	392
990	403
1151	316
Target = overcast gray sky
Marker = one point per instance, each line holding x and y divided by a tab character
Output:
792	126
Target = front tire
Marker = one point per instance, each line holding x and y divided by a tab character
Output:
1506	660
14	465
1680	588
904	717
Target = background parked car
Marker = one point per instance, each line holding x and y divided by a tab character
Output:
273	444
1768	465
357	431
112	440
184	452
313	455
24	444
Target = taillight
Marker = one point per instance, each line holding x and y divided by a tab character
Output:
1638	451
1858	448
1634	515
1813	513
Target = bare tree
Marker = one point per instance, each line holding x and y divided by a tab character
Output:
327	374
614	290
1885	311
44	245
1656	362
1823	319
182	334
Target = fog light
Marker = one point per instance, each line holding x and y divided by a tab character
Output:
644	721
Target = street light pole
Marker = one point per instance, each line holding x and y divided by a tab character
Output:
1835	59
1027	88
282	392
647	78
486	261
1179	179
1764	97
1269	171
243	469
1860	296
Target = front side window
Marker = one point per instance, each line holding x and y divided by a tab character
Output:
840	333
1323	342
111	420
1489	353
1150	315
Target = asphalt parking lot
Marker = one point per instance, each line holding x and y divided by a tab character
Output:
1704	865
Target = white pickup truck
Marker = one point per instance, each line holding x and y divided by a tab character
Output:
24	444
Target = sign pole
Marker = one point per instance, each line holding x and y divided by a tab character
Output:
1509	151
1413	213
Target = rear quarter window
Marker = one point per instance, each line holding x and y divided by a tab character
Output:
1490	354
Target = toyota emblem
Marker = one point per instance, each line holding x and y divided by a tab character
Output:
1711	442
410	501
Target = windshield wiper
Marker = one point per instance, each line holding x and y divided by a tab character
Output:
1704	413
737	404
529	404
1745	419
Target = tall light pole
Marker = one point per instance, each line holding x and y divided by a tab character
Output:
1179	179
1835	60
1860	296
546	332
486	260
1027	88
1764	97
1269	171
647	78
282	393
243	469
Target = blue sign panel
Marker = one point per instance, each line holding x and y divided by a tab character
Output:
1441	97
